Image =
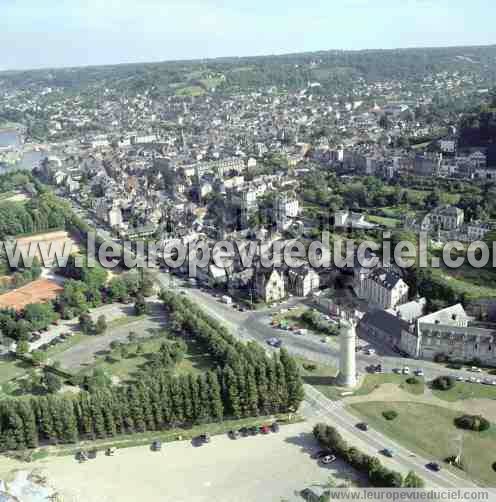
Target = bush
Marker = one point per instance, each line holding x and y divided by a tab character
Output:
310	367
441	358
472	423
390	414
377	474
443	383
412	381
494	466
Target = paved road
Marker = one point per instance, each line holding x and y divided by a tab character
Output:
253	326
83	354
256	326
333	413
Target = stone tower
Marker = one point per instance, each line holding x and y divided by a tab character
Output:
347	357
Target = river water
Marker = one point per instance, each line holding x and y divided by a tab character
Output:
29	159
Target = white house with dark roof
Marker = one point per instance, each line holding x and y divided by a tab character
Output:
382	287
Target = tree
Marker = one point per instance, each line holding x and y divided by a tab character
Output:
124	351
39	315
101	325
22	348
52	382
87	325
38	357
140	306
413	481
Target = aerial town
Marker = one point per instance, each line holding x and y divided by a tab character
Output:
257	379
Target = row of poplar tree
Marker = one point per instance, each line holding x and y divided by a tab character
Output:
245	383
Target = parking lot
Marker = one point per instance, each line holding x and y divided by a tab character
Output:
271	467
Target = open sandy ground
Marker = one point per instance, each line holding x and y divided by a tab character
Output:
254	469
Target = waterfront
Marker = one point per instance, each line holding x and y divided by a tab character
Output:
13	138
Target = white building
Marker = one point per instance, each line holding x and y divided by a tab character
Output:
382	287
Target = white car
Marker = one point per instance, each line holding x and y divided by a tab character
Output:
459	379
419	372
475	369
370	352
328	459
406	370
471	380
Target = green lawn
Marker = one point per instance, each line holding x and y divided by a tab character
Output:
429	431
322	377
464	390
372	382
190	90
195	360
125	320
11	368
384	221
475	284
293	318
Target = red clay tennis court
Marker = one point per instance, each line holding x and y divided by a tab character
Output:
38	291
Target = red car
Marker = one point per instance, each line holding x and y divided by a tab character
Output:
264	429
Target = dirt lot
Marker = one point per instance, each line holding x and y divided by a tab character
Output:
260	469
46	245
38	291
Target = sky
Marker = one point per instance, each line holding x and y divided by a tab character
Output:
56	33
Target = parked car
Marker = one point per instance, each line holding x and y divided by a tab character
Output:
233	434
433	466
406	370
156	445
253	430
362	426
475	369
205	438
244	431
264	429
387	452
419	372
274	342
459	378
275	427
328	459
321	453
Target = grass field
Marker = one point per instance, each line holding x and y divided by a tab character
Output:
474	284
429	431
195	360
190	90
11	368
384	221
320	376
464	390
323	378
372	382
